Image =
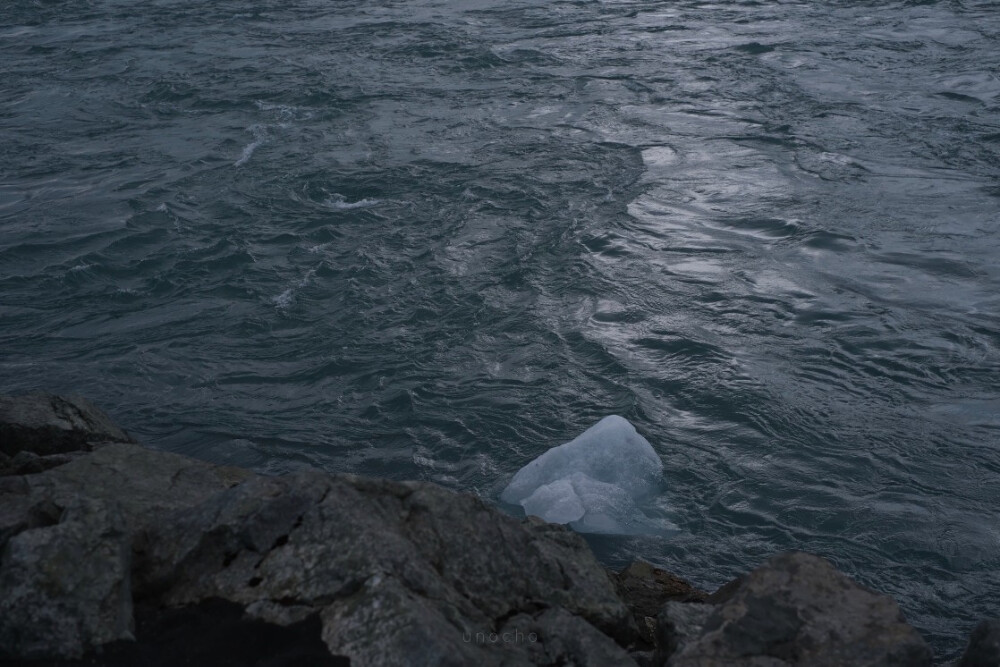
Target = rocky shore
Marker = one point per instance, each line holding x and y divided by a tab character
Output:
115	554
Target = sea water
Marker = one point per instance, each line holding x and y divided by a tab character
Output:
433	240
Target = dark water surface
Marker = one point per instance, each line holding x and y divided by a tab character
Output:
431	239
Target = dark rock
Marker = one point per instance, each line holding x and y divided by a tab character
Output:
29	463
645	588
677	624
399	572
726	591
557	637
66	539
390	573
145	483
213	632
984	646
373	572
797	609
65	587
44	424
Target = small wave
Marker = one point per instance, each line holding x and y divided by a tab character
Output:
285	112
340	203
258	138
284	300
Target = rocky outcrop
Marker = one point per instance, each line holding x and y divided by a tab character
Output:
44	425
387	572
405	569
646	588
679	624
115	554
797	609
984	646
65	587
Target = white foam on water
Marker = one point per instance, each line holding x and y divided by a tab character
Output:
596	483
285	299
340	203
259	135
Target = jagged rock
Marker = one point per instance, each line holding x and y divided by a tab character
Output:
145	483
797	609
645	588
211	633
557	637
65	587
400	572
984	645
44	424
393	573
375	572
29	463
677	624
66	539
726	591
363	555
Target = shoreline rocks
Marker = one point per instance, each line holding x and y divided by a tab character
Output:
116	553
798	609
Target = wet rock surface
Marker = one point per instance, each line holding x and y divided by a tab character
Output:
115	554
798	609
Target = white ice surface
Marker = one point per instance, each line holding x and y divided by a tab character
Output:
595	483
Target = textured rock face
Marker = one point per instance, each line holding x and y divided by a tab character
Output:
646	588
117	540
797	609
984	646
65	587
678	624
391	573
43	424
399	573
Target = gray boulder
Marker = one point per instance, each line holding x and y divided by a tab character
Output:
557	637
984	646
65	587
391	573
143	482
66	543
400	573
374	571
678	624
797	609
44	424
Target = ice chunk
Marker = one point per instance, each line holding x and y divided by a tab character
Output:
595	483
557	502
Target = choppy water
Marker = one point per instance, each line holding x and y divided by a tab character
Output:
431	239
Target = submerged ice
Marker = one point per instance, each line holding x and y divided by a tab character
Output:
595	483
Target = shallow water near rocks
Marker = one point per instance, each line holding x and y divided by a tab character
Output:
434	239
